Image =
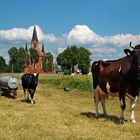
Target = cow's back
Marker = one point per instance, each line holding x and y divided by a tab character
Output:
111	72
26	80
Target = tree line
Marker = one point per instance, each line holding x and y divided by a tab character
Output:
70	58
73	56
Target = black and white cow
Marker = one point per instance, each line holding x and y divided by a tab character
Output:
29	84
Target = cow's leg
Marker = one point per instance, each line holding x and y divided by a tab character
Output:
103	105
25	92
122	105
96	101
28	97
32	96
133	104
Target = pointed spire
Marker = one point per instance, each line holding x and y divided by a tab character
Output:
26	48
34	37
43	50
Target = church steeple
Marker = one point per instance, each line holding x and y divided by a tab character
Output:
26	48
34	41
34	37
43	50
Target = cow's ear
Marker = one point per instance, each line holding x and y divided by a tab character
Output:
127	52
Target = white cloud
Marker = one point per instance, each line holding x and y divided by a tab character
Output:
60	50
50	38
81	35
104	50
23	34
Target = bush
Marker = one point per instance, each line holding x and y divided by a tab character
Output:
81	83
67	72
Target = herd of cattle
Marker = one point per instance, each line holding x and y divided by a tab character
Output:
118	78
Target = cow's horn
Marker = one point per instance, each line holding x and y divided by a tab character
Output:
131	45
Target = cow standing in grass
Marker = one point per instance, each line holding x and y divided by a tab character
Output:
29	84
119	78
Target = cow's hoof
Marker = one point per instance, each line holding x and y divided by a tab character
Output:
133	121
32	102
97	116
28	101
122	121
106	116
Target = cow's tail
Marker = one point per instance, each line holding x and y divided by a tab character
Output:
95	71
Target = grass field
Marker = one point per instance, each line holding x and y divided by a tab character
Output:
59	115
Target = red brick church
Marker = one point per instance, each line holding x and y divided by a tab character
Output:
37	67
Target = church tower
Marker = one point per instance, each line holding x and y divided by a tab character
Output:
37	66
34	41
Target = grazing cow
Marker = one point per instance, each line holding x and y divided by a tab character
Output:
118	78
29	84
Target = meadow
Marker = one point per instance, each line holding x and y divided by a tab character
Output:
60	115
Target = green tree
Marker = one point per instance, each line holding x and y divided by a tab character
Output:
84	60
34	55
74	56
18	59
47	62
13	54
23	54
3	65
68	58
73	52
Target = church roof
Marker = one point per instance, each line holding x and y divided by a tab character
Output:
40	53
34	37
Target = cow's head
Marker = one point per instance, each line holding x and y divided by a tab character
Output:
35	78
135	57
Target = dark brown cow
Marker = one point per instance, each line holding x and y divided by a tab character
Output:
119	78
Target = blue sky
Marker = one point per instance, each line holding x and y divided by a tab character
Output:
104	26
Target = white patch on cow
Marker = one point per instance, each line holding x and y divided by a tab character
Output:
108	87
103	105
27	96
122	111
129	96
133	117
120	69
121	103
32	101
35	74
96	64
99	95
133	104
113	94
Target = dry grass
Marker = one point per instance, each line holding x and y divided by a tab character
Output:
59	115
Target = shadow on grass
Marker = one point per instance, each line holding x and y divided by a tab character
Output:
112	118
27	101
7	94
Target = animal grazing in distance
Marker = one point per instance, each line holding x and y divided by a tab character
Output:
29	84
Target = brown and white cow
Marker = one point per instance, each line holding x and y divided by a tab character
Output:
118	78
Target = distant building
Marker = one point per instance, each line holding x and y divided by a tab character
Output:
35	67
